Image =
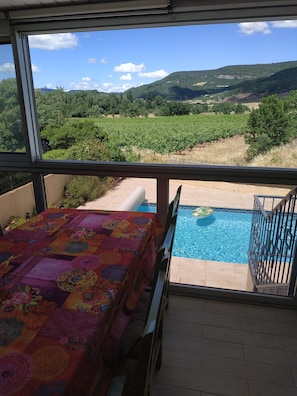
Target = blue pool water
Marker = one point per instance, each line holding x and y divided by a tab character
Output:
224	236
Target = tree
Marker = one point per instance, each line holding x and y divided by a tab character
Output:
199	108
149	100
11	132
174	108
158	101
113	104
130	96
290	105
51	107
62	136
240	108
268	126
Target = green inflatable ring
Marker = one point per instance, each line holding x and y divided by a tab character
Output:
202	212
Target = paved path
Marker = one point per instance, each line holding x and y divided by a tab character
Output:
214	194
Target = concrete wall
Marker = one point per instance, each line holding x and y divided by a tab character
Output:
21	200
54	187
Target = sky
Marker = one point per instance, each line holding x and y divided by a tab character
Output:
116	60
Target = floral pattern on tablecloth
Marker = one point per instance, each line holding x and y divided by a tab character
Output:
69	281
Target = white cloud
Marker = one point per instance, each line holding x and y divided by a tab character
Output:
126	77
84	84
110	87
7	67
107	85
129	68
103	61
80	85
35	69
53	41
156	74
124	87
92	60
285	24
250	28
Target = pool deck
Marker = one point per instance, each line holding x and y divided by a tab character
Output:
194	193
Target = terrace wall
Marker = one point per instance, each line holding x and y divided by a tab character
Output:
21	200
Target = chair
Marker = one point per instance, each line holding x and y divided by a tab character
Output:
168	240
166	249
150	352
173	209
141	347
142	340
167	243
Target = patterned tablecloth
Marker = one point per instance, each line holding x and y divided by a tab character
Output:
69	280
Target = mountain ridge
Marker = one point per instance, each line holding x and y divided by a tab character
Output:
224	83
234	83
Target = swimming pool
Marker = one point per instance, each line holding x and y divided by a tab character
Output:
224	236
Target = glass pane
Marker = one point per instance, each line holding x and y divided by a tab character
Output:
215	94
11	132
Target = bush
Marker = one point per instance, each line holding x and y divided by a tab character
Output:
268	126
81	189
64	135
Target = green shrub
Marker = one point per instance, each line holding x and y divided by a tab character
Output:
268	126
81	189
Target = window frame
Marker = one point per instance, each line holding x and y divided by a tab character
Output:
33	163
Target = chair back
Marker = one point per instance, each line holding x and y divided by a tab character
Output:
173	209
176	201
168	240
150	353
171	219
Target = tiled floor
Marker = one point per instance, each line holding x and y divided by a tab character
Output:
209	273
215	348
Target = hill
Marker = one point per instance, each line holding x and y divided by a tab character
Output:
245	83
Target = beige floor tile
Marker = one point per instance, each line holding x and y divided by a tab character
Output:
208	273
266	389
219	348
192	272
273	374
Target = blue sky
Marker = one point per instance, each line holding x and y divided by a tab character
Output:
114	61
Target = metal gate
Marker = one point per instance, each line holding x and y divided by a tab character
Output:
272	247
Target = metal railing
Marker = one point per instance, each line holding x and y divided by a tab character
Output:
272	247
11	182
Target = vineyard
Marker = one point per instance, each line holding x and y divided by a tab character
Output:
174	134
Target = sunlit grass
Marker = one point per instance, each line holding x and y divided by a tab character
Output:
230	151
280	157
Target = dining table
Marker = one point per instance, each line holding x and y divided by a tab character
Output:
69	282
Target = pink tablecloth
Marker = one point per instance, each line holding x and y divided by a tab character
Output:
69	281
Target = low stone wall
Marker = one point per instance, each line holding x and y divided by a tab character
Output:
21	200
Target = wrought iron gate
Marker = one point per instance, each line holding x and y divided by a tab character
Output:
272	247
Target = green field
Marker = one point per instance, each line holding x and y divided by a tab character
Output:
172	134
